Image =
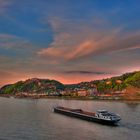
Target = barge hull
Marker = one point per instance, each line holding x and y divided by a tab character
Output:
84	117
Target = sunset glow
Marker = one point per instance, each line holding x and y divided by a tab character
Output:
70	41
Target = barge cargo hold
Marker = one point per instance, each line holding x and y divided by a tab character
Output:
102	116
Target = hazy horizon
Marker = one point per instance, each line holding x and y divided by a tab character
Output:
72	82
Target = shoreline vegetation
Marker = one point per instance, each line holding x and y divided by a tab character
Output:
124	87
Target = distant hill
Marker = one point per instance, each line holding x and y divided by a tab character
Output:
120	82
34	85
109	85
114	83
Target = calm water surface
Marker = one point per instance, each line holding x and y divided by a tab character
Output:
24	119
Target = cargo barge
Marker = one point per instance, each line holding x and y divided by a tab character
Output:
101	116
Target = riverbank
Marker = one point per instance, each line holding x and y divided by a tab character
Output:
100	98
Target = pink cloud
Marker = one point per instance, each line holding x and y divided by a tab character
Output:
78	47
74	48
82	49
62	52
88	43
73	41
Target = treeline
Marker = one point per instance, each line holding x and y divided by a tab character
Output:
33	85
119	83
108	85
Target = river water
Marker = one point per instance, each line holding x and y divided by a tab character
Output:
25	119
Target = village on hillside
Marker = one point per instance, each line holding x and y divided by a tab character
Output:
126	85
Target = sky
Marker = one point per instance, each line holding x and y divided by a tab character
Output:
68	40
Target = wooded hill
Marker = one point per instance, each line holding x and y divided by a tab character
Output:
35	85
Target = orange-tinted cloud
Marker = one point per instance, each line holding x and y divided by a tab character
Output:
82	41
85	47
77	53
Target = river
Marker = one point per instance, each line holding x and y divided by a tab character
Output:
26	119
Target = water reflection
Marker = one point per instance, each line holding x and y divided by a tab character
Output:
132	105
130	126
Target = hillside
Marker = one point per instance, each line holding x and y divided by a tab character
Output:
34	85
112	84
120	82
127	82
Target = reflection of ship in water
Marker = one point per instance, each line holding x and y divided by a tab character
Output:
132	105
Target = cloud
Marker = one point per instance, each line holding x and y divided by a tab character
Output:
85	72
14	43
81	50
71	43
68	53
10	41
